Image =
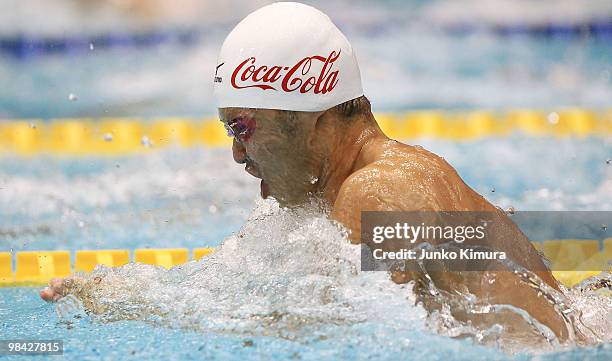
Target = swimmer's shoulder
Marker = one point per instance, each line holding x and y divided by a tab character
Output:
377	186
411	162
392	177
404	177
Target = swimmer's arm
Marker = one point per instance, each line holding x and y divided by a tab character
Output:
106	289
79	286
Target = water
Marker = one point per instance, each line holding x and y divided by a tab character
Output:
289	288
407	59
289	284
138	340
286	286
173	197
288	274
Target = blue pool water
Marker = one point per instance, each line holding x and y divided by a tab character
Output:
23	316
288	289
407	58
196	197
172	198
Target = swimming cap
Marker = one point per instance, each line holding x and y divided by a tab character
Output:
287	56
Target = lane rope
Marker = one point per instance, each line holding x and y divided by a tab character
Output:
26	46
119	136
579	259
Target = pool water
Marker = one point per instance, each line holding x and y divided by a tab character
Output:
285	286
407	59
24	316
195	197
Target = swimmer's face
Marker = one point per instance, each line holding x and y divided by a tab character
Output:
275	149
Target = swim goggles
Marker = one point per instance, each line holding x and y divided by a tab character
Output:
241	128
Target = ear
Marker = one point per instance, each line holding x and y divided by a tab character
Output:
319	123
321	120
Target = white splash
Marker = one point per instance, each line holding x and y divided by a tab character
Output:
284	271
289	272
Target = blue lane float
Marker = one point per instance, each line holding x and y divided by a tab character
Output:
27	46
24	46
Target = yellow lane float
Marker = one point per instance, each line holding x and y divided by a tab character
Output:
572	261
116	136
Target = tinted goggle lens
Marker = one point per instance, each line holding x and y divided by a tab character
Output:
241	128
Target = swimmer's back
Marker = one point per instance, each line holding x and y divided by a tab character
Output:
391	176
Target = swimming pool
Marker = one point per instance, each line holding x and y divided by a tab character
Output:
272	298
289	289
24	316
171	197
408	58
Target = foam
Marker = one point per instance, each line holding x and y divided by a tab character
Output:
278	270
292	273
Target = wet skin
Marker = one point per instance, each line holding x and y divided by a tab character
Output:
354	167
358	169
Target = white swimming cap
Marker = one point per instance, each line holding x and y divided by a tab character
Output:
287	56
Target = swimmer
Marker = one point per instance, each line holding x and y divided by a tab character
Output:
289	91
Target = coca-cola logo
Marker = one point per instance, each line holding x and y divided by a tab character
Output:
297	77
